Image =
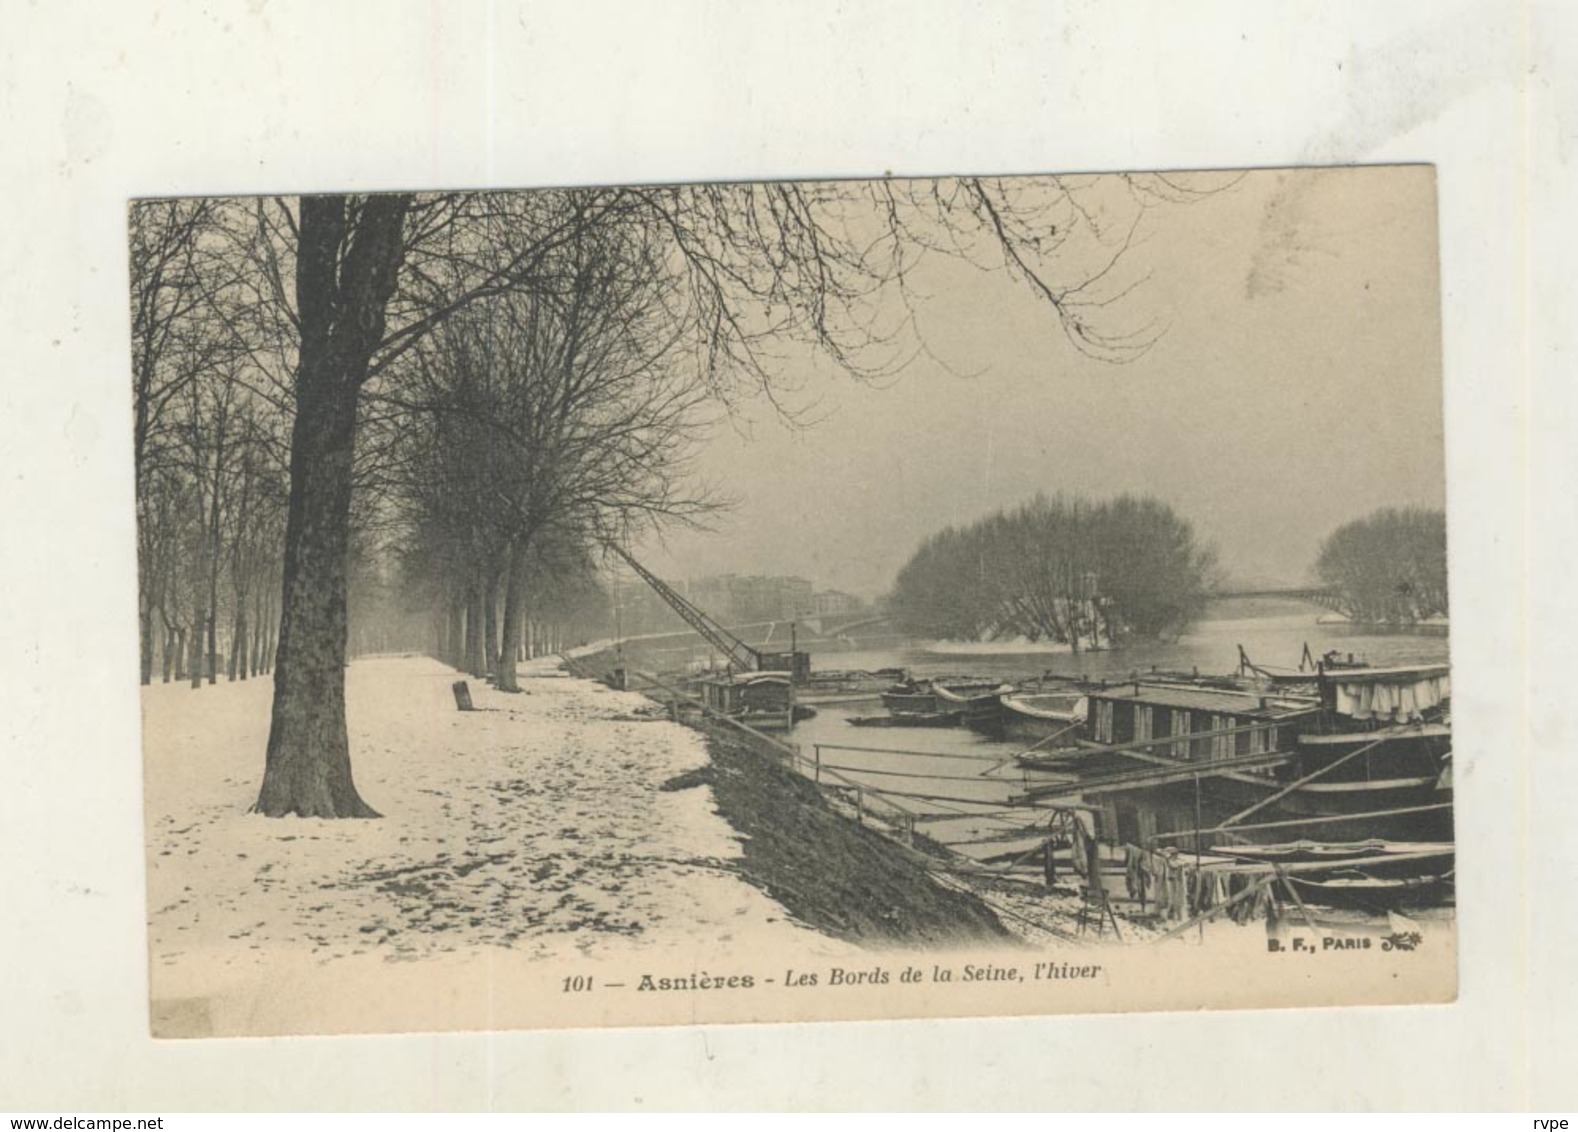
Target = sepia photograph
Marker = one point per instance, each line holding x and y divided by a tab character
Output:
1005	556
791	601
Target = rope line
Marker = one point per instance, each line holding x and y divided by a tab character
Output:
900	751
915	774
880	791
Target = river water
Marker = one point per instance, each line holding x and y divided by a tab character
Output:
960	782
1273	633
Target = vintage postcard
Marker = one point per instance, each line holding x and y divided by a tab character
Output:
644	605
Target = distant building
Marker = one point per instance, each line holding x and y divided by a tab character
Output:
797	597
743	599
729	599
715	596
835	601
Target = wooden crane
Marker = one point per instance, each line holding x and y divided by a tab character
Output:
738	655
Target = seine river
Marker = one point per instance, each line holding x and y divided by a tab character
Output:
965	773
1273	633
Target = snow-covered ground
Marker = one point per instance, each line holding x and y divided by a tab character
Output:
514	838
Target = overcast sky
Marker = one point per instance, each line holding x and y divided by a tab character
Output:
1298	385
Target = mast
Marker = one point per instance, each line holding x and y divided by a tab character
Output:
736	652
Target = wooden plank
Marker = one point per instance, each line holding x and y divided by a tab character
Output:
1314	820
1137	747
1253	867
1299	900
1343	738
1177	772
1306	780
901	751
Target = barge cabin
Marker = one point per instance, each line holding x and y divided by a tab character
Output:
1203	723
763	700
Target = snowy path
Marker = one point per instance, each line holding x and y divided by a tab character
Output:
535	827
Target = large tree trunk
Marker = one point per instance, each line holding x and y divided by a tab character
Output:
490	626
345	272
145	629
257	638
455	641
196	672
476	649
308	771
438	631
180	653
270	634
238	649
507	678
213	646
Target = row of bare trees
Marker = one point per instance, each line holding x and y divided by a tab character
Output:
210	485
1390	566
1060	569
537	427
497	382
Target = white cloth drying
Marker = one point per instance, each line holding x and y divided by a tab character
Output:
1401	703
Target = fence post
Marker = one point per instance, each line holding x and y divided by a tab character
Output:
818	763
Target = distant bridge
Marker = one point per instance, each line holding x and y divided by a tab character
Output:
1327	597
838	624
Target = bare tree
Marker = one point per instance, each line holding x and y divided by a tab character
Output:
167	357
1059	569
205	438
554	418
1390	567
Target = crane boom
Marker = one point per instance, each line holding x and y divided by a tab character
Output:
737	653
